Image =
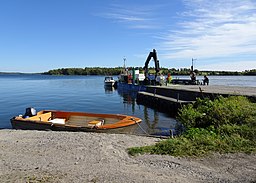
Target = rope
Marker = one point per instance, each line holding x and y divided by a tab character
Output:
150	134
140	126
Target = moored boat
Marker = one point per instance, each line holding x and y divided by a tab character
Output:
109	81
72	121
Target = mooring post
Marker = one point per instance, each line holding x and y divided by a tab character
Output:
171	133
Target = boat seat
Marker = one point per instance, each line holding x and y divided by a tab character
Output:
41	117
95	123
58	121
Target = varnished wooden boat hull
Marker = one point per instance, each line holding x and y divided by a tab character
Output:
75	121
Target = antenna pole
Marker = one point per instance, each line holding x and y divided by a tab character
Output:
192	66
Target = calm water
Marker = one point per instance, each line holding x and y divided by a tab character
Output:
86	93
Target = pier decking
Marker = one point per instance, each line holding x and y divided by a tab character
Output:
170	98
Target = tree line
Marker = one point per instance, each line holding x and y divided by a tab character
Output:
118	70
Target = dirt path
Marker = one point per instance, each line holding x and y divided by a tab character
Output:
37	156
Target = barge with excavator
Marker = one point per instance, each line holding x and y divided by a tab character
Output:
133	80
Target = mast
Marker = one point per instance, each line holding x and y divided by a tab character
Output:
192	66
124	67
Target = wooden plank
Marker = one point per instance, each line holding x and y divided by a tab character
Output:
79	120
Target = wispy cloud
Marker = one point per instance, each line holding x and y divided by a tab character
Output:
230	66
213	29
135	17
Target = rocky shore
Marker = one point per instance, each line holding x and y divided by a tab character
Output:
46	156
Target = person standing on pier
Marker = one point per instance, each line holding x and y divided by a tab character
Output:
193	76
169	78
206	80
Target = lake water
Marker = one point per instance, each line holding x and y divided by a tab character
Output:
87	93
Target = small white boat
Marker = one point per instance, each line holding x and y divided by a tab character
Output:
109	81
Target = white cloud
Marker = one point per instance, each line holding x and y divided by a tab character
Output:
213	29
229	66
208	30
134	17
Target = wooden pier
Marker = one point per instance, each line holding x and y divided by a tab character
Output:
170	98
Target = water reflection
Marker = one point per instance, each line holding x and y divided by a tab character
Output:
147	119
156	125
109	89
128	96
154	122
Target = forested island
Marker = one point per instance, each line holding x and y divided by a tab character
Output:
118	70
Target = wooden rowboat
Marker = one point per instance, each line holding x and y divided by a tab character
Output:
73	121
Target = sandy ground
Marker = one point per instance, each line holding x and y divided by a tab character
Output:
45	156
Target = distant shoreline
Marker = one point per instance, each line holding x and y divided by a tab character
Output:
87	71
19	73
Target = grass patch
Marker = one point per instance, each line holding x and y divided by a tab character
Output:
225	125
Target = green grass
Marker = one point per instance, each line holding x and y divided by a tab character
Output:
226	125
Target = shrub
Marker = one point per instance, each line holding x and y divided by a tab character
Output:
204	112
225	125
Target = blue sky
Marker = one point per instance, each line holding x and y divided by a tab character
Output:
39	35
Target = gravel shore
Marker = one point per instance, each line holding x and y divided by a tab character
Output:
46	156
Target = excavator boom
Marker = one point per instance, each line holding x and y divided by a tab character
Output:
150	56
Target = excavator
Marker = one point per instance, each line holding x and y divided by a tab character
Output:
151	55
